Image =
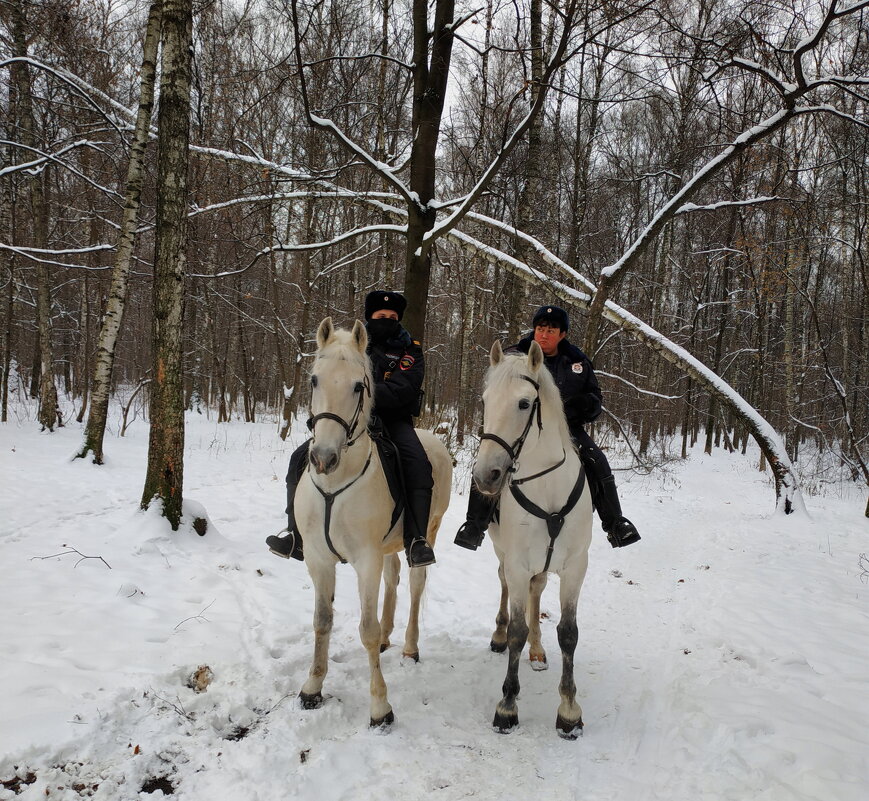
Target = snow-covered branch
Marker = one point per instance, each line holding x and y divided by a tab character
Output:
369	229
721	204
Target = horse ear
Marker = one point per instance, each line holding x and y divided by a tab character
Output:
496	354
535	357
325	332
360	336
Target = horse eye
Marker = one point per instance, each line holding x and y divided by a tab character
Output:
524	403
313	381
358	386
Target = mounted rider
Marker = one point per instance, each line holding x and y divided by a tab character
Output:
398	367
580	393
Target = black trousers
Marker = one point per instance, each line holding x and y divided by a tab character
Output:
593	458
415	465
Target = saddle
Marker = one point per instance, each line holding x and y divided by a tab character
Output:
391	462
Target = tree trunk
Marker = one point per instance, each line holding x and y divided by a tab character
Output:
530	206
20	72
165	476
429	92
7	229
111	323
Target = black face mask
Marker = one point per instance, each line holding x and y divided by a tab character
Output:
382	329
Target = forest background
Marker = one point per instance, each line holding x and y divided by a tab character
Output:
688	179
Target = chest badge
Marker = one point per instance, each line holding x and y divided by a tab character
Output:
406	362
576	367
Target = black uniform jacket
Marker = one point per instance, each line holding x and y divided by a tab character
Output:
399	368
575	379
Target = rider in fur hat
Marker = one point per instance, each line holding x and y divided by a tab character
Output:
398	366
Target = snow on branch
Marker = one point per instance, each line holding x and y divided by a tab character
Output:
369	229
31	254
752	201
82	88
634	387
699	179
44	158
547	255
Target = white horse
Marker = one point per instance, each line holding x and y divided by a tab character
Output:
344	507
545	519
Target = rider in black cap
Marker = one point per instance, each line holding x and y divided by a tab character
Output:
398	366
581	396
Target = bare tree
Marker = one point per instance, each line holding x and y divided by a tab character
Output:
114	312
48	411
165	476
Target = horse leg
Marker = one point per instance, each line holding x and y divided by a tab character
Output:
324	591
368	574
569	720
498	642
391	570
411	635
537	654
507	713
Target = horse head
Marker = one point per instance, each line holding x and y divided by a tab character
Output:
511	411
340	393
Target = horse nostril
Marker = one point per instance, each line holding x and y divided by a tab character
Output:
495	475
331	462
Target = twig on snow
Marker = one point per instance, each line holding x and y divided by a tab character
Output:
73	550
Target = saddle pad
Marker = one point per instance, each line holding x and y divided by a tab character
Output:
391	462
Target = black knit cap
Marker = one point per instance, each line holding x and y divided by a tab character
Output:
375	301
553	316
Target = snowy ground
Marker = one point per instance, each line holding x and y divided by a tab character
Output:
723	657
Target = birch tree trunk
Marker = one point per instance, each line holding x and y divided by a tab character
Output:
165	476
111	323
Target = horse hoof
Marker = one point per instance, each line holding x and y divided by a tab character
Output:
539	663
504	724
498	647
568	730
414	657
384	723
312	701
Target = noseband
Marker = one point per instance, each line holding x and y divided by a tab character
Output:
349	428
514	449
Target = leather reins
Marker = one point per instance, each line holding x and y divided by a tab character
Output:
554	520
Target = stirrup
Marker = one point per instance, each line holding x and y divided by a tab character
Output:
420	554
287	546
470	536
622	532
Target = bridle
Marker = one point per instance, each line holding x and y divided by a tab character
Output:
554	520
349	428
515	449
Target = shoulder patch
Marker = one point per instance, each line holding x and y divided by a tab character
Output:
576	367
407	361
416	342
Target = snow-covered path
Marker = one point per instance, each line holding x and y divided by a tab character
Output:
723	657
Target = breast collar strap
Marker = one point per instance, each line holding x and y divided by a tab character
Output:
554	520
329	499
515	449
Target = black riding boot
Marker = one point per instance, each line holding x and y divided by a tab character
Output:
416	513
478	517
619	530
290	545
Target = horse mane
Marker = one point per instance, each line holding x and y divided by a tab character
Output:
514	366
341	347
